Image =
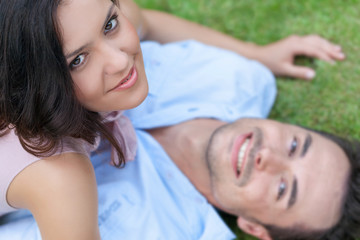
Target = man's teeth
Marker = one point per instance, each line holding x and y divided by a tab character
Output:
242	154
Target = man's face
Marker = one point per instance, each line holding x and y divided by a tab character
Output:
277	173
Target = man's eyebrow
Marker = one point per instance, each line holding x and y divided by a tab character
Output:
80	49
293	194
306	145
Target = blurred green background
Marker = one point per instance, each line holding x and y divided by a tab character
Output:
331	101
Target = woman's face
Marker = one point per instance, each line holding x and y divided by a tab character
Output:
103	52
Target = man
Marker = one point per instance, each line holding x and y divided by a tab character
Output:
267	173
263	171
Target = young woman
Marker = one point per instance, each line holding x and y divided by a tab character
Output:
67	68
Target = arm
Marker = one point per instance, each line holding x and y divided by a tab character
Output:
163	27
61	193
278	57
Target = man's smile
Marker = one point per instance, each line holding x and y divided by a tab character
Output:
240	152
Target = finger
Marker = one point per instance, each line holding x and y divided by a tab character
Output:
315	51
332	51
320	52
299	72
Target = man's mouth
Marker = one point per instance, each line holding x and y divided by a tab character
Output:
240	150
241	155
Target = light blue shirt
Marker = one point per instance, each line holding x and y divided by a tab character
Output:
190	80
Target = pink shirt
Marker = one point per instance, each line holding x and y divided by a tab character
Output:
13	158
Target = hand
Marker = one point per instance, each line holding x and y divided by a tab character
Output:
279	56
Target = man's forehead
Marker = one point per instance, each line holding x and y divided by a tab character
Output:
324	180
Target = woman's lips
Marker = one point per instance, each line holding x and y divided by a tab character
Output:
238	143
128	81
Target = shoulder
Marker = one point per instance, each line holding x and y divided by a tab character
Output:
14	160
61	171
61	188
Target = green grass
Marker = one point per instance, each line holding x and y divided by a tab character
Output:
331	101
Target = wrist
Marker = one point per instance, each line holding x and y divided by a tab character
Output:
253	51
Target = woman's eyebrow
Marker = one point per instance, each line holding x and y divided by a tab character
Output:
108	15
80	49
307	144
77	51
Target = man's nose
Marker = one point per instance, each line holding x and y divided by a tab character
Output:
115	59
270	160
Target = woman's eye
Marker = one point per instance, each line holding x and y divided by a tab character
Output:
111	24
77	61
293	146
282	189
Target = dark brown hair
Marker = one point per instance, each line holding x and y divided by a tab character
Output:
37	97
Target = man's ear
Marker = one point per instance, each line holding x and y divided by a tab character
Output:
253	229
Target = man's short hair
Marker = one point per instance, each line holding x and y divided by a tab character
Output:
348	226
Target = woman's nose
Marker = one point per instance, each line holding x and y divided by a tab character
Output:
270	160
115	60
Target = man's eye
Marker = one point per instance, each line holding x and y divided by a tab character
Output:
282	189
293	146
111	24
77	61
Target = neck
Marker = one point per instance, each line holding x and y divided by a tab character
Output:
186	144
